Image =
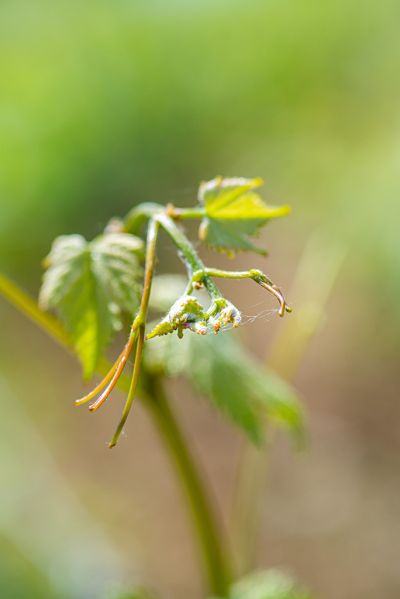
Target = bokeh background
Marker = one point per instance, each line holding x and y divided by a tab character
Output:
105	104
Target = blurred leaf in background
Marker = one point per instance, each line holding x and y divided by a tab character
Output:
50	544
20	577
223	372
220	368
105	104
268	584
137	594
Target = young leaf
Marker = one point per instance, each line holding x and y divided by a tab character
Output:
234	213
221	370
90	285
185	313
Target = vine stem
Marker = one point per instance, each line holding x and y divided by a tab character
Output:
139	323
217	569
165	217
186	213
188	253
21	300
215	559
256	275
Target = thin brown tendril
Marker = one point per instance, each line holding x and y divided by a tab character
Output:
101	385
283	307
112	376
118	371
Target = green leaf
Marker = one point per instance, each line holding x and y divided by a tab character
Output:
234	213
223	371
91	285
241	388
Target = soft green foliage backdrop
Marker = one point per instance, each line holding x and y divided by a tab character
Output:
107	104
114	102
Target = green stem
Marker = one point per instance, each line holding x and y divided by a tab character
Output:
29	307
132	388
209	538
186	213
157	212
189	255
142	212
255	275
210	543
139	324
229	274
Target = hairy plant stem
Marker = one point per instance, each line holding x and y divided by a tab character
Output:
165	217
188	254
216	566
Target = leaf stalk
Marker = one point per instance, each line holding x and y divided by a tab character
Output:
256	275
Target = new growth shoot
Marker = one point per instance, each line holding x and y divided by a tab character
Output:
92	284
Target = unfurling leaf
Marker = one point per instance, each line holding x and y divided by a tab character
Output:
221	370
185	313
90	285
234	213
188	314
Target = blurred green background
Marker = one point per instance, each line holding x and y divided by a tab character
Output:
106	104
